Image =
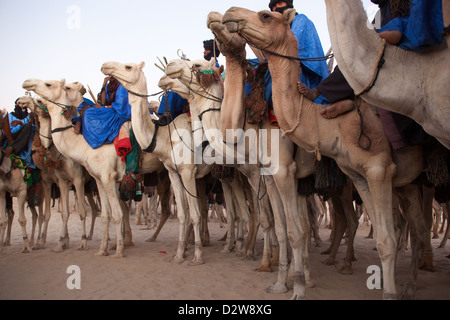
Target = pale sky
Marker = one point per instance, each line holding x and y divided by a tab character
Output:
71	39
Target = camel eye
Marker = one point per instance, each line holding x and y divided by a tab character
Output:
48	85
128	67
265	16
197	65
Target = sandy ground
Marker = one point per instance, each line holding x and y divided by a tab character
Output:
146	273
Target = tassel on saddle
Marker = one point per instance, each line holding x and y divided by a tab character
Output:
131	187
255	103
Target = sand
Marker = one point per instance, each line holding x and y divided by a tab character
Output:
146	273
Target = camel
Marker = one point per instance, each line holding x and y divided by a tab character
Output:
290	211
424	97
12	182
133	79
182	173
234	48
103	164
59	170
369	165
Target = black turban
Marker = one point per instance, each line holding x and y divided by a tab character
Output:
289	3
211	45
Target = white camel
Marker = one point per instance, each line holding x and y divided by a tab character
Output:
103	164
62	171
425	88
182	171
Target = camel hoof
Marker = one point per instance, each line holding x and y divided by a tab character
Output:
225	251
117	255
298	297
25	250
102	254
176	259
196	262
409	292
277	289
346	270
129	243
150	240
328	262
264	269
248	258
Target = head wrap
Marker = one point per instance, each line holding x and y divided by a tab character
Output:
212	46
289	4
19	112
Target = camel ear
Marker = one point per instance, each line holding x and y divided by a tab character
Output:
63	82
289	15
142	65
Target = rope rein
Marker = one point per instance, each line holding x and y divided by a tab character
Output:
324	58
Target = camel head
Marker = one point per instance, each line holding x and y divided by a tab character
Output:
191	72
44	125
73	93
266	29
52	90
167	83
26	102
227	42
129	75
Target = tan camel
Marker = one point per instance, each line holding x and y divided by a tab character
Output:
424	97
290	211
59	170
371	170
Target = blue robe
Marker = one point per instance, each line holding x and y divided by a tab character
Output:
175	104
102	125
25	154
421	28
309	46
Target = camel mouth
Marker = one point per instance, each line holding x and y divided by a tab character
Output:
165	83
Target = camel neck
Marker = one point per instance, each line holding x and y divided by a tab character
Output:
233	100
141	121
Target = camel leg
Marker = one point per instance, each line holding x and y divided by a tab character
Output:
180	197
447	231
79	188
47	193
117	214
26	248
298	226
339	228
231	217
352	226
203	206
105	217
3	219
64	235
94	214
411	202
163	190
189	182
10	218
267	224
427	258
376	193
34	219
281	231
128	237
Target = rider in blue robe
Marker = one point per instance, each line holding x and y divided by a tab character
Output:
101	125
